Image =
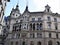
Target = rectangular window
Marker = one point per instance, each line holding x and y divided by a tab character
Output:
57	35
56	26
18	36
24	35
55	19
33	19
32	35
49	35
39	19
49	19
49	25
39	35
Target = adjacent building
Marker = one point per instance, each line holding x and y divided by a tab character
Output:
2	10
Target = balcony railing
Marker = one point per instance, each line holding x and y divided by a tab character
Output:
37	21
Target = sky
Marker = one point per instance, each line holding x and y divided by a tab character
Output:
33	5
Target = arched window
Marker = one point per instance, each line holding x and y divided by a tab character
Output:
49	42
23	43
39	43
40	26
20	27
34	26
30	26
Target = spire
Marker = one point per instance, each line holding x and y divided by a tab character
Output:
26	5
17	6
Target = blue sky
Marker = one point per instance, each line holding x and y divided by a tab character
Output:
34	5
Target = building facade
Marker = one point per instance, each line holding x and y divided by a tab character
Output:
33	28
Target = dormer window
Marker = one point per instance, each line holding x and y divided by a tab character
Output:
47	8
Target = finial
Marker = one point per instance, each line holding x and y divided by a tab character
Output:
47	6
17	7
26	5
17	4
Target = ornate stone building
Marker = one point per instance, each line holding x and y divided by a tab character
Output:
33	28
2	10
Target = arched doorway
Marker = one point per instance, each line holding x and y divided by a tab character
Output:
39	43
50	42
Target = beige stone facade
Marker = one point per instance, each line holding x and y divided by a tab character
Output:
33	28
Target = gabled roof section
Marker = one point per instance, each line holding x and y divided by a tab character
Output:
16	9
47	9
